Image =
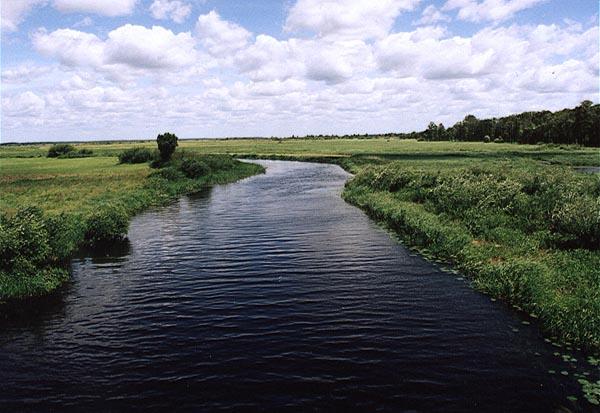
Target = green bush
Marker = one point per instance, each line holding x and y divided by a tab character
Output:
82	153
194	168
107	224
136	155
65	233
157	163
59	149
218	162
24	241
577	221
169	173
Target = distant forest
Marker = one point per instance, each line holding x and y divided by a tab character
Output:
580	125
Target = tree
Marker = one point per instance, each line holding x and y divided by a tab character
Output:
167	142
431	132
442	135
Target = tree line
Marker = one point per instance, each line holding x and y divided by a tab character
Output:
580	125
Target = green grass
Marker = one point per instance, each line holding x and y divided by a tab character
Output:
524	231
379	147
50	207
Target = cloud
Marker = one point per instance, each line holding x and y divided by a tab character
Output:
346	18
26	104
326	77
170	9
70	47
24	73
571	76
489	53
336	62
110	8
13	12
220	37
432	15
139	47
270	59
134	46
490	10
85	22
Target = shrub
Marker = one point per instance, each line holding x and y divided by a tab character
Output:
65	233
157	163
194	168
218	162
577	221
23	241
169	173
60	149
108	224
82	153
167	142
136	155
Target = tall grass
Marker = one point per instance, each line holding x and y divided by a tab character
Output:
35	244
529	235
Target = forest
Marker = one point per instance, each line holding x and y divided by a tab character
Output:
579	126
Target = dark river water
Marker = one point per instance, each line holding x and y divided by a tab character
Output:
272	294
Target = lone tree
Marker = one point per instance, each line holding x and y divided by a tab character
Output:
167	142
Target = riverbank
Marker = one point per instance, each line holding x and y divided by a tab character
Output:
512	247
524	228
527	234
52	207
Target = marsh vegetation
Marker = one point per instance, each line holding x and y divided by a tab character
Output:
516	218
51	207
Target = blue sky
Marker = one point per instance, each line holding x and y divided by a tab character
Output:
127	69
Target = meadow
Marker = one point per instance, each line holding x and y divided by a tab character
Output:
517	219
381	147
51	207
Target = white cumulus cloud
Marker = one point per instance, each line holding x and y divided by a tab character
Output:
490	10
13	12
346	18
138	46
432	15
134	46
109	8
219	36
170	9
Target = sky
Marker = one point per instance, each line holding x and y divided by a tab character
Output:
130	69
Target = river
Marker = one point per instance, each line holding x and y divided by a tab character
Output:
273	294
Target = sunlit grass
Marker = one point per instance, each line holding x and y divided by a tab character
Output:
334	147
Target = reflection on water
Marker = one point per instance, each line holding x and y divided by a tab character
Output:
273	294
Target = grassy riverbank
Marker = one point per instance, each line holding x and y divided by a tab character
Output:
525	233
516	218
51	207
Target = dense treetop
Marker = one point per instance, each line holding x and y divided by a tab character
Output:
580	125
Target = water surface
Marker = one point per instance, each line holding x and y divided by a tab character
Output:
272	294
